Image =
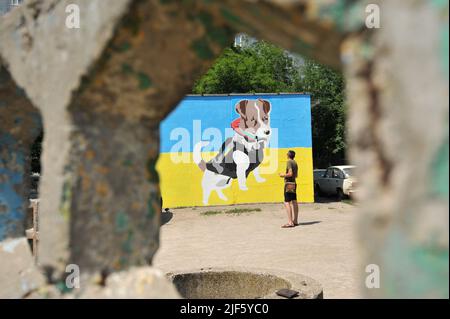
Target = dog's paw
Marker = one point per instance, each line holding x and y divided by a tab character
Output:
222	196
260	179
243	188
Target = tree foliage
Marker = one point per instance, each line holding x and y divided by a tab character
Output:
257	68
326	87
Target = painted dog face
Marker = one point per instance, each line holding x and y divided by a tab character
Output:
255	117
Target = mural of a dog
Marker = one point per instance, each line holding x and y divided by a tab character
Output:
240	154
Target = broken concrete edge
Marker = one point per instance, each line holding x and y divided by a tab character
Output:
135	283
19	277
21	51
36	17
307	287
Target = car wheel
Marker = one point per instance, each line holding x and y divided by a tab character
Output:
340	194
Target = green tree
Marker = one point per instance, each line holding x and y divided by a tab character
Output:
328	112
256	68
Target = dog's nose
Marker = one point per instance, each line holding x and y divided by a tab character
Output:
267	132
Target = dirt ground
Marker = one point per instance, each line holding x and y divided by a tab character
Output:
323	247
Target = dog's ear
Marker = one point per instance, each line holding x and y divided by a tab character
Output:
266	105
241	107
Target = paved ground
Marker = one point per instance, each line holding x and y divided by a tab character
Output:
323	247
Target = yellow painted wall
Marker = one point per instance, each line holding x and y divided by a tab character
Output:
181	182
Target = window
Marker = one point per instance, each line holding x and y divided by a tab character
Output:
337	173
349	172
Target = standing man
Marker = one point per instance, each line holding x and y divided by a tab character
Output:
290	190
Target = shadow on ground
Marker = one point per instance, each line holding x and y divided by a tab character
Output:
309	223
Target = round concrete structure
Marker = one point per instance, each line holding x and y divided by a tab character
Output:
242	283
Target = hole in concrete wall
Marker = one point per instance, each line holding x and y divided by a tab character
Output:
20	138
248	69
32	218
252	69
35	163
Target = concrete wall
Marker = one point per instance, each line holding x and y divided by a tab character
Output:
106	87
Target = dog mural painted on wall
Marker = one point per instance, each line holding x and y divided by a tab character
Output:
239	155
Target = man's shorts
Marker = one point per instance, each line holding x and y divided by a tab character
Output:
288	197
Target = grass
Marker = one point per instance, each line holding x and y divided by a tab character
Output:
242	210
211	212
348	201
234	211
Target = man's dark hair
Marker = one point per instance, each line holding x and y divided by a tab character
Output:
291	154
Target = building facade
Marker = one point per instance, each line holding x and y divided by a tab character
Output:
200	149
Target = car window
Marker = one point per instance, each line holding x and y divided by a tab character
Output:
328	173
337	173
349	171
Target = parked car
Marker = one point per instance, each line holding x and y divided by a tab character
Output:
335	180
318	173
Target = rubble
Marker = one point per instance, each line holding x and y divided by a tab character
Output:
135	283
18	274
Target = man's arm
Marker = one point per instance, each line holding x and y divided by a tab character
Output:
288	174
